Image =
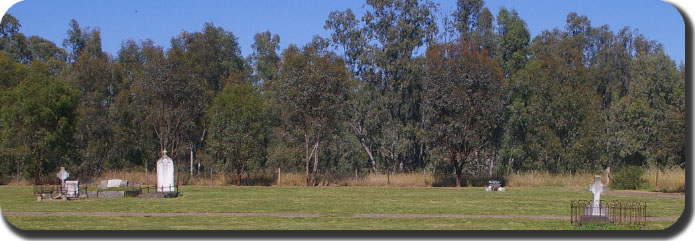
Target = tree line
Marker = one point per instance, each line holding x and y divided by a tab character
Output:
405	87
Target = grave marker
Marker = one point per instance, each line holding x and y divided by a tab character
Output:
115	183
165	174
72	189
62	175
597	188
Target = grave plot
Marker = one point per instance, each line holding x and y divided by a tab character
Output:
626	212
113	188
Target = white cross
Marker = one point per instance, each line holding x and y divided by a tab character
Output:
62	175
597	188
164	152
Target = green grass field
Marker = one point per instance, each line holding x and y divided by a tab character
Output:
336	206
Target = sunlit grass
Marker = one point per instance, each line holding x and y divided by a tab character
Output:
294	223
337	205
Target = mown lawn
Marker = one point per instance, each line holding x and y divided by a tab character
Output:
320	223
335	204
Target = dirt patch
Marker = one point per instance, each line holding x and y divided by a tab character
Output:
645	194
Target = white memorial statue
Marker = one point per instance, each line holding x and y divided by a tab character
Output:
597	188
165	174
62	175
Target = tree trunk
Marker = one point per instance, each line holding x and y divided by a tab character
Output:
316	165
191	166
307	158
371	157
37	166
656	183
360	136
457	173
454	159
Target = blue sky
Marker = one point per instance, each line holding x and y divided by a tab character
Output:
296	21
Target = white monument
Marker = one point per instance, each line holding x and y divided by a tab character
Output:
165	174
115	183
597	188
62	175
72	189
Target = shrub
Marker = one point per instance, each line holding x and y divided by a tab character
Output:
444	180
629	178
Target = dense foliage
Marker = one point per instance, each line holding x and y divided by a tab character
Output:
390	91
630	178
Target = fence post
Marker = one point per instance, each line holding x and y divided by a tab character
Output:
278	176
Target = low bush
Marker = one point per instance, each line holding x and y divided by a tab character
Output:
628	178
444	180
678	189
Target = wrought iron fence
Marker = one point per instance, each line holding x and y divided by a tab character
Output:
621	212
91	191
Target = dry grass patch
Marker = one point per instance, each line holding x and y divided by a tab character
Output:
670	180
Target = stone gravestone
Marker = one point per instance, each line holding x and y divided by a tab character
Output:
597	188
72	189
494	185
165	174
62	175
115	183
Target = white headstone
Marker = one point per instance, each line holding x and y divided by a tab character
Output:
597	188
62	175
165	174
72	189
114	183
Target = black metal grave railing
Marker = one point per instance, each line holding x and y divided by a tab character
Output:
621	212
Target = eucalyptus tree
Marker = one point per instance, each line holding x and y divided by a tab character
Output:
386	114
555	118
653	112
12	41
38	121
362	106
11	72
76	40
265	59
466	17
205	61
312	89
89	71
514	41
134	138
167	100
464	102
236	128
